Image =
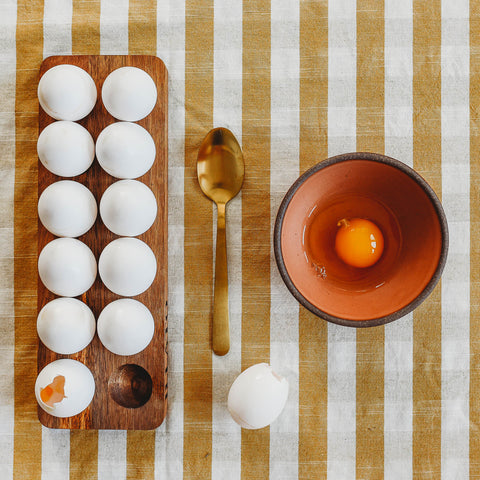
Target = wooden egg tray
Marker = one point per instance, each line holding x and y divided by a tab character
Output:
118	379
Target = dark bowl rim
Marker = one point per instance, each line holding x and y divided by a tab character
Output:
375	157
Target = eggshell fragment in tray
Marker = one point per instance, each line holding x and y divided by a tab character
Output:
67	267
67	92
125	150
64	388
66	148
129	94
67	208
128	208
125	326
66	325
257	396
127	266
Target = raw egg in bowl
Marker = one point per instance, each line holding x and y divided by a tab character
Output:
361	239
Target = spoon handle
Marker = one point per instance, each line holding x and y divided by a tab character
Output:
221	330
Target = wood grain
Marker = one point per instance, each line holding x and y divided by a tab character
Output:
104	412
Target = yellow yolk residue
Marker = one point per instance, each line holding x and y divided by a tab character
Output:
358	242
54	392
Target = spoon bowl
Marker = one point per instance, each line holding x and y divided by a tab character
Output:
220	171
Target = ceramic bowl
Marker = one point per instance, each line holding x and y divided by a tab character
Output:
391	195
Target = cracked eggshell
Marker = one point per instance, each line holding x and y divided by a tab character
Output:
67	208
66	148
128	208
129	94
125	326
67	92
67	267
127	266
79	387
257	396
66	325
125	150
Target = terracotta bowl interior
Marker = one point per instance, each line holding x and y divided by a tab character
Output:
396	203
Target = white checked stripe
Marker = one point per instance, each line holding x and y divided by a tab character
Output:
112	445
342	76
227	112
341	414
113	23
55	454
398	380
456	202
284	169
8	14
57	27
112	453
57	40
171	49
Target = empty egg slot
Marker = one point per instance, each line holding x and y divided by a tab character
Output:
130	386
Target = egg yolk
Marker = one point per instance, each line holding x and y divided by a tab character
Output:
54	392
358	242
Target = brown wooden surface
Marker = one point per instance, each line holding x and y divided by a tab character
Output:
104	412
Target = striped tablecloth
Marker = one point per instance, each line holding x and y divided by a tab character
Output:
296	81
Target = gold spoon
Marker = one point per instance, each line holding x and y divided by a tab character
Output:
220	170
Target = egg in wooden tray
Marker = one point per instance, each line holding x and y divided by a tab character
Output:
102	242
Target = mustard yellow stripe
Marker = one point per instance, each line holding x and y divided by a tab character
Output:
256	215
140	455
370	137
86	27
85	40
142	27
27	455
313	332
474	244
83	454
198	257
427	160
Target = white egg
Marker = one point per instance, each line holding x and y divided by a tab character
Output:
257	396
65	148
66	325
127	266
129	94
125	326
67	92
67	267
125	150
64	388
67	208
128	208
